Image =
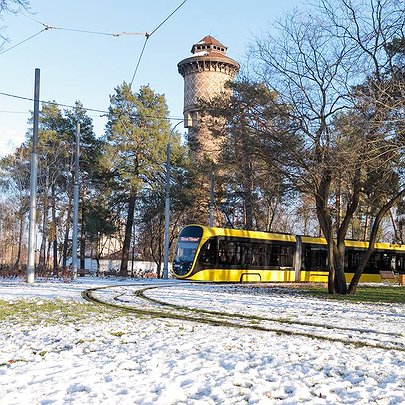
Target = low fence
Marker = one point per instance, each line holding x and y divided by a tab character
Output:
136	269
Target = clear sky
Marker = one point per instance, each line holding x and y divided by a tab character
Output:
87	67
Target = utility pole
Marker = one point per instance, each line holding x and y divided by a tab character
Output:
211	220
167	207
76	204
33	186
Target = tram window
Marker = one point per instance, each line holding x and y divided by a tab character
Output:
247	254
242	254
388	261
353	259
274	255
400	263
226	252
280	255
258	254
207	254
385	261
375	261
286	253
315	258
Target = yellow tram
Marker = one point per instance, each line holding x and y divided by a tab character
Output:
234	255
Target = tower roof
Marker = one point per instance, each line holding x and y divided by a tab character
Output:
210	44
208	50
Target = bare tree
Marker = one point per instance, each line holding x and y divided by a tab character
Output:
323	65
11	6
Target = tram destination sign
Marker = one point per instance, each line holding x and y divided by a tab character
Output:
189	239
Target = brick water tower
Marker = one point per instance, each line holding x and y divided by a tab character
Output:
205	74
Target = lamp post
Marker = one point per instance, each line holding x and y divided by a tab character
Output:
167	207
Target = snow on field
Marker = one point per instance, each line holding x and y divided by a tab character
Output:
105	357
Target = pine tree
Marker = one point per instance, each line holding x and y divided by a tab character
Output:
136	137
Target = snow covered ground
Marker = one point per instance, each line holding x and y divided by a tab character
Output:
100	355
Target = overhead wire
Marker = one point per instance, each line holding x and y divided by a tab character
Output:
103	112
48	27
112	34
139	61
167	18
50	102
147	38
25	40
13	112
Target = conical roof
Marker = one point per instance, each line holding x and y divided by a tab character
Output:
209	43
208	49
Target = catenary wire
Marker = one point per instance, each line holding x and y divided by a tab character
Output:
147	38
112	34
139	61
147	35
50	27
103	112
13	112
23	41
166	18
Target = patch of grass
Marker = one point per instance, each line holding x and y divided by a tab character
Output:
50	312
117	334
81	341
8	363
366	294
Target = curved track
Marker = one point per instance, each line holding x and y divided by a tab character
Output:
135	299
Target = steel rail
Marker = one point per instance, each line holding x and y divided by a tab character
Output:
166	310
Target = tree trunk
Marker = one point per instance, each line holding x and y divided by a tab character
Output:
339	264
48	256
247	192
336	276
128	233
67	230
82	232
20	236
55	238
42	249
373	237
331	270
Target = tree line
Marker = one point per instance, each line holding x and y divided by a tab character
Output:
122	175
320	113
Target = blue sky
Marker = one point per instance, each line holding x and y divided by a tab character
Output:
87	67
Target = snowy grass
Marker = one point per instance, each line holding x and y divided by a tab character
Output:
365	294
52	312
57	349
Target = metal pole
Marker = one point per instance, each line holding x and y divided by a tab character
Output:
211	222
76	204
167	207
33	186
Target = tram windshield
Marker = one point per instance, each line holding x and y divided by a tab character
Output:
186	249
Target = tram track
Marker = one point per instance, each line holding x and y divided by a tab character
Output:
134	299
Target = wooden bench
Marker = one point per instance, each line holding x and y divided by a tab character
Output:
388	275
